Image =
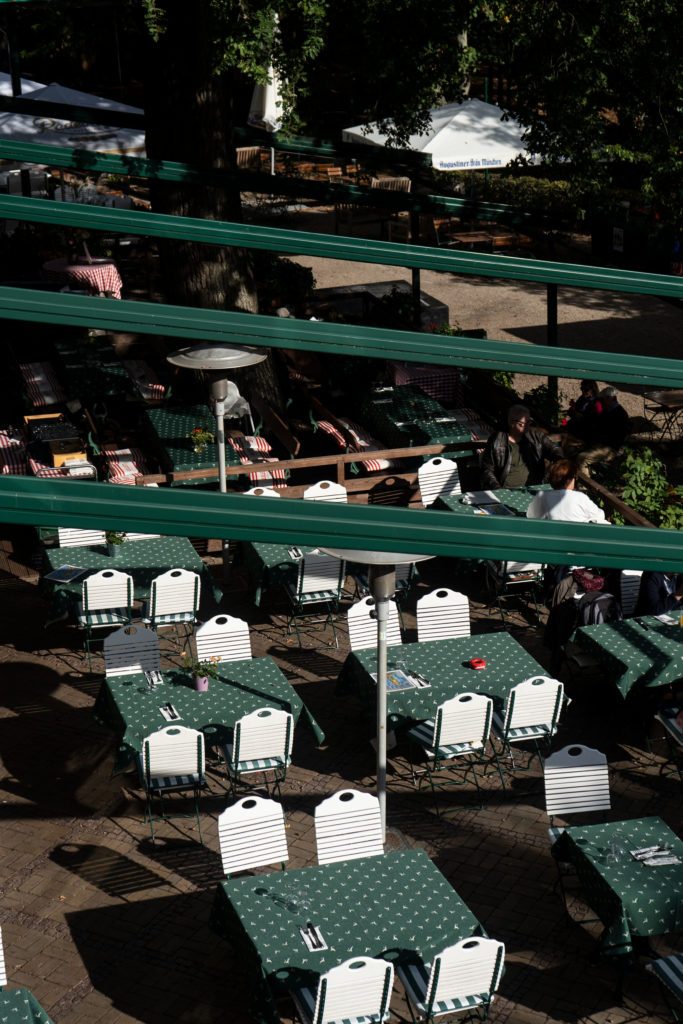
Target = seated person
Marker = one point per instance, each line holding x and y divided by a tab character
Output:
515	457
564	501
583	406
660	592
603	434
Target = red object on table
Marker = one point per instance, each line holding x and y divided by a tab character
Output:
478	663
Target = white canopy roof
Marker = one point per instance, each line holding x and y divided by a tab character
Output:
27	85
462	137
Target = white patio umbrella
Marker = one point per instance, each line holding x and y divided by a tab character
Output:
266	109
55	132
467	136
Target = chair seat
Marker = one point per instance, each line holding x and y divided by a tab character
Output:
424	735
415	978
305	997
526	732
165	783
103	617
312	597
669	970
554	833
257	765
167	620
674	730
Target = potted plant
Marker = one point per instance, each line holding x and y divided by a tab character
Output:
201	668
199	437
114	539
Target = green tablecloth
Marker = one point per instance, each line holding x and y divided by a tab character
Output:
636	657
444	664
127	705
516	498
19	1006
629	897
389	906
142	559
268	565
406	416
171	427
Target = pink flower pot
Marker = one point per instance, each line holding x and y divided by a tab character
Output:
201	684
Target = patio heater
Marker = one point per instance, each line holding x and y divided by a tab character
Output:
216	360
382	582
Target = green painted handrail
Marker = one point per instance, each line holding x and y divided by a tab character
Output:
368	527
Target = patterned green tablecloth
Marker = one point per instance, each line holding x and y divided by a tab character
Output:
388	906
18	1006
444	664
406	416
629	897
127	705
268	565
636	657
516	498
171	427
142	559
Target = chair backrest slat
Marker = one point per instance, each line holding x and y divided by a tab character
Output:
264	733
363	628
319	572
629	586
535	702
74	538
471	967
224	637
251	834
175	592
576	780
359	988
175	750
438	477
465	718
326	490
348	825
3	969
108	588
263	492
131	649
442	614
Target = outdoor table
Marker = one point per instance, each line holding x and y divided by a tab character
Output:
130	708
637	658
141	559
268	565
100	276
445	664
171	427
629	897
516	498
668	405
390	906
20	1006
404	417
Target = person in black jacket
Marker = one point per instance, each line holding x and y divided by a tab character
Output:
604	433
515	457
660	592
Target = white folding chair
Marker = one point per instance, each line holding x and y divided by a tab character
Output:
130	650
142	536
74	538
251	834
261	742
629	588
348	825
531	715
172	761
461	979
264	492
326	490
363	628
106	601
459	732
224	637
174	600
442	614
576	781
436	478
355	992
3	969
317	592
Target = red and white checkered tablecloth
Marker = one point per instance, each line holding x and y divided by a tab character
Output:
41	383
246	447
123	464
96	277
439	382
144	378
362	439
12	455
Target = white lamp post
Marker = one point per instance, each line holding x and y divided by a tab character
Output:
216	359
382	580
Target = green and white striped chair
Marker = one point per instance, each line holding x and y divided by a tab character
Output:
251	834
358	991
462	979
262	742
531	716
348	825
172	761
669	970
3	969
317	592
454	741
106	601
174	600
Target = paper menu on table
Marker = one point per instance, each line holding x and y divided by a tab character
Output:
480	498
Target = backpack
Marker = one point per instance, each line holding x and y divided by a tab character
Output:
598	608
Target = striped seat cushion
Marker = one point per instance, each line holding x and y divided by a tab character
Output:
304	999
167	782
260	764
254	449
424	735
42	470
527	732
674	730
669	970
554	833
12	455
103	617
169	619
311	597
415	979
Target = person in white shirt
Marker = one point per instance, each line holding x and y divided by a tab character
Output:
564	502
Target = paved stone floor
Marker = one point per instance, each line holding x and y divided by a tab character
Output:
106	926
